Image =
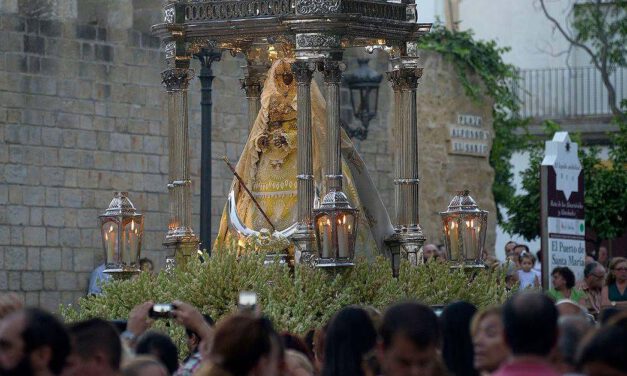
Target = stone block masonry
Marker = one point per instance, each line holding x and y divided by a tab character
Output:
83	114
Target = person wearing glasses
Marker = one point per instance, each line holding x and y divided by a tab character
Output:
591	285
614	293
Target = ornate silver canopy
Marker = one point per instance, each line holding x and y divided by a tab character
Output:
315	33
310	27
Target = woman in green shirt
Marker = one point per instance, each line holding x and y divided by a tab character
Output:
615	291
564	286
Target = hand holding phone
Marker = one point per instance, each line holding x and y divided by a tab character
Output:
247	301
161	311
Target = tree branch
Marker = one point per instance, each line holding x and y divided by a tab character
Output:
570	39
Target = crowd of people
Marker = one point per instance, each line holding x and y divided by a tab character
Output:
528	335
576	328
604	282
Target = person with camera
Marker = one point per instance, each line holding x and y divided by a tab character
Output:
143	315
194	359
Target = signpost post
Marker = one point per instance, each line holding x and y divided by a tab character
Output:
562	208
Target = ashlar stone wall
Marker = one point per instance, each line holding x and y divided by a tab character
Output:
83	114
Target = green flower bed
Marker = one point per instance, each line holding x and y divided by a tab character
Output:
296	300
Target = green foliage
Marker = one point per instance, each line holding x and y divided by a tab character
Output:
524	209
296	300
484	59
603	27
605	197
605	193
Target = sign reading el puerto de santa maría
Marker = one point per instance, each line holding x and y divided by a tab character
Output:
562	200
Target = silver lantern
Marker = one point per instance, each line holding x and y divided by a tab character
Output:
465	227
122	229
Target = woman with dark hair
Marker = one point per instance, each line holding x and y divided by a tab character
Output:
490	349
603	353
350	339
294	342
564	286
244	345
614	293
457	350
161	347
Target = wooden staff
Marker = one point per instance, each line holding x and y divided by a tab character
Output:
243	185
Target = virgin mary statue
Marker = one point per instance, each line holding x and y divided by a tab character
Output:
268	168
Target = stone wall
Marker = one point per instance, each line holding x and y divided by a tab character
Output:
82	114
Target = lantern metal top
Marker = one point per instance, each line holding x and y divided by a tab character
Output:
363	76
121	205
334	200
462	203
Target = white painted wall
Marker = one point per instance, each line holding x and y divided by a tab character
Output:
427	10
521	25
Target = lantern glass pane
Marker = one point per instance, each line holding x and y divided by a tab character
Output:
131	241
373	94
345	223
325	241
355	100
110	241
454	238
471	234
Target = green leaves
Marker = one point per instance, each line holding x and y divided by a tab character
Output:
296	300
601	26
605	197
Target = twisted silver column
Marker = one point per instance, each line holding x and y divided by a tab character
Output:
332	71
404	83
180	236
305	235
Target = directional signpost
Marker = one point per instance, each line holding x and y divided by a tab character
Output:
562	211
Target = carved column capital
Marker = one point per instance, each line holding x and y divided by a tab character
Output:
208	55
252	86
404	78
176	79
332	71
254	78
303	71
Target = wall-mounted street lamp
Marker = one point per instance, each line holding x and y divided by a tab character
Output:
363	84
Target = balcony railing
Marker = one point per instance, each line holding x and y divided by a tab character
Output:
558	93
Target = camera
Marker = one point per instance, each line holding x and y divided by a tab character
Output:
161	311
437	309
247	301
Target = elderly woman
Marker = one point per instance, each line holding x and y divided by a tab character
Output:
614	293
490	349
564	286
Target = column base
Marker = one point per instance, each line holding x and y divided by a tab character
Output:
412	240
183	245
305	241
